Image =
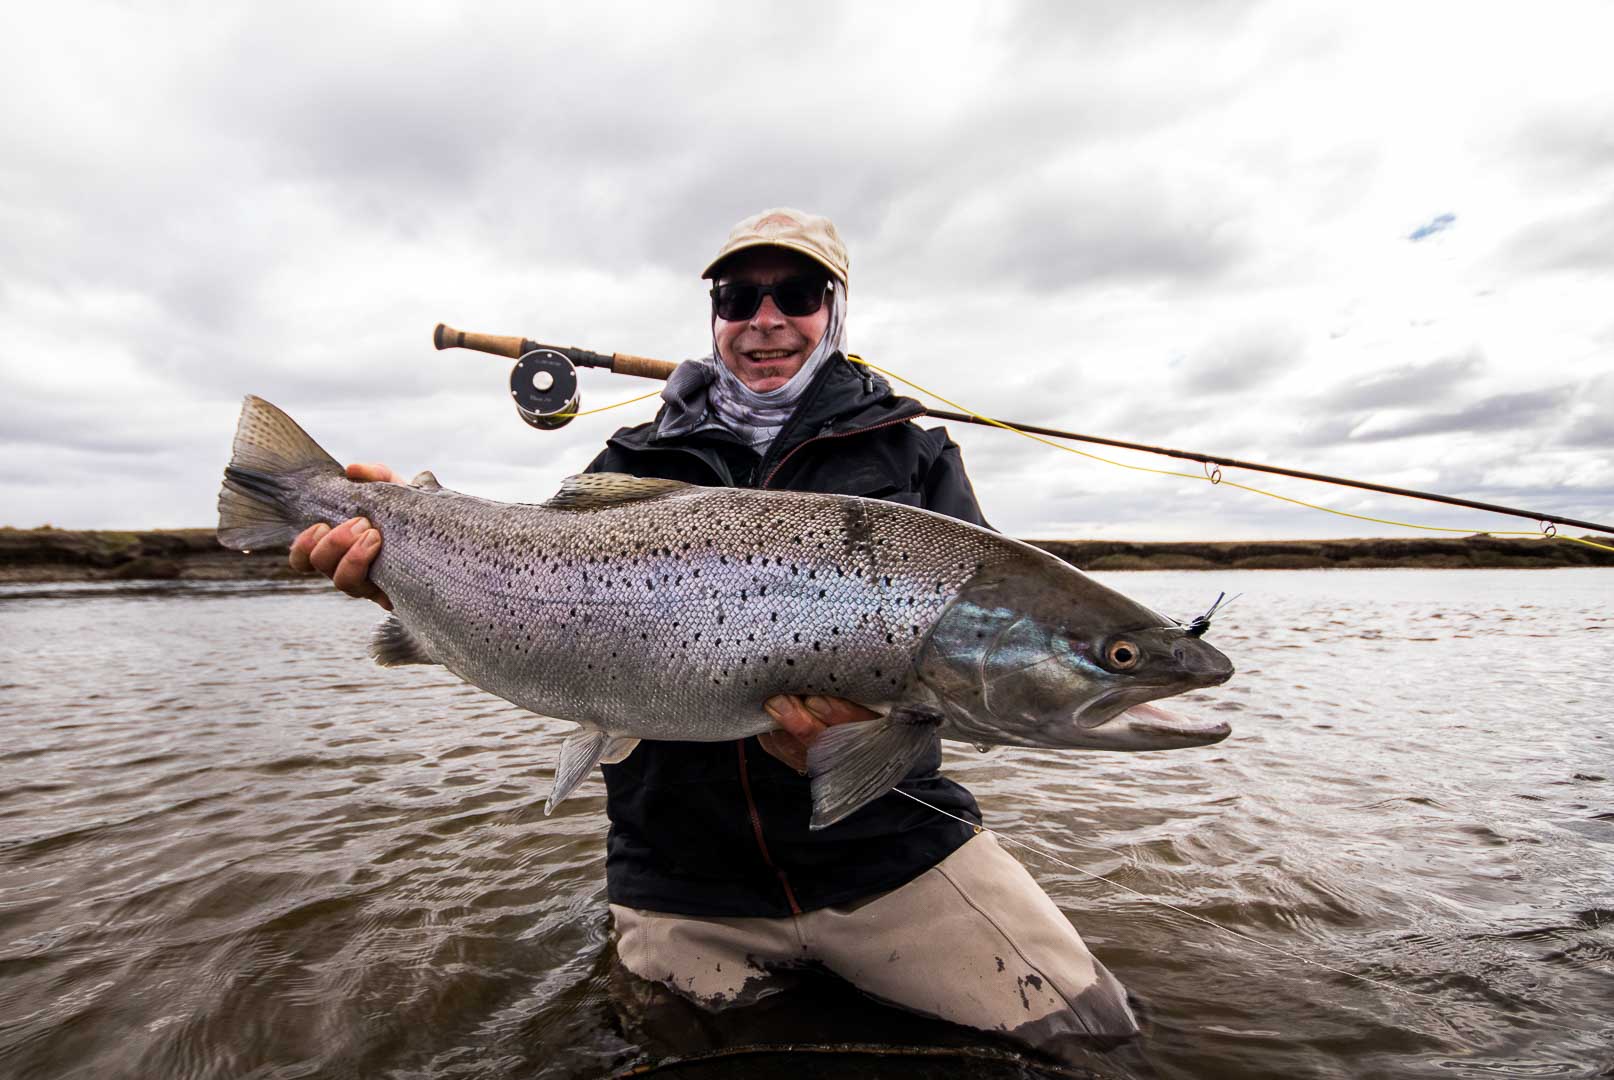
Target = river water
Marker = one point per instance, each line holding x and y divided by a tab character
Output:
230	846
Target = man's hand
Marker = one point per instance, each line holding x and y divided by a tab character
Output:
344	554
801	720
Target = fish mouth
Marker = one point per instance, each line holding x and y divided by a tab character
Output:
1143	726
1152	720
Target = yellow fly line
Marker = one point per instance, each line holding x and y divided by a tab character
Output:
1213	477
604	408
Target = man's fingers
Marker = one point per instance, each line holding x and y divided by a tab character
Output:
786	747
790	714
304	544
333	546
830	711
372	472
801	720
352	573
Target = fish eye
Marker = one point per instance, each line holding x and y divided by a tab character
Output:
1122	655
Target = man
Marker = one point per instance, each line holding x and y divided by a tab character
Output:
717	886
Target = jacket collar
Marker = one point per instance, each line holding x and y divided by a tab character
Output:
843	398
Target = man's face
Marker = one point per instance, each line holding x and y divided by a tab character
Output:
767	349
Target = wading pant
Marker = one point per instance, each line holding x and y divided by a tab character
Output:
973	940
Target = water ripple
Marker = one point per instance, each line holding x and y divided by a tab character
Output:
245	851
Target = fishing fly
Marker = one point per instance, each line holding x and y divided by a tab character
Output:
1201	623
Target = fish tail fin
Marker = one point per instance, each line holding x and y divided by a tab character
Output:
255	503
853	764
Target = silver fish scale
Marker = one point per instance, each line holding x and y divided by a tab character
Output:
675	616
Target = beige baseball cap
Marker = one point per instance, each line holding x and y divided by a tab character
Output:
813	236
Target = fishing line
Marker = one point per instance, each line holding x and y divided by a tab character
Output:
604	408
1170	907
1214	476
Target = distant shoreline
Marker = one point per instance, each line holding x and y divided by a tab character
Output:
1480	551
66	555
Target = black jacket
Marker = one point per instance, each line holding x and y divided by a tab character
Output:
720	829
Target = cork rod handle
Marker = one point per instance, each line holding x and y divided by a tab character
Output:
643	366
446	337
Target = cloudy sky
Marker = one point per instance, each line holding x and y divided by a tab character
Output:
1363	239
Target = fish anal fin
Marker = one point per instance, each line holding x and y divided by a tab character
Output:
853	764
394	645
581	751
596	491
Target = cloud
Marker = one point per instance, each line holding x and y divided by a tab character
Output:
1106	24
1438	224
1245	358
1046	205
1593	424
1409	384
1500	412
1557	145
1578	240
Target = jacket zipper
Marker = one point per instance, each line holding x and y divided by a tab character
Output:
832	435
756	830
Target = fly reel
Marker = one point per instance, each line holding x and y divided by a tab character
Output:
543	385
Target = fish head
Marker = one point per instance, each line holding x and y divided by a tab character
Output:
1035	653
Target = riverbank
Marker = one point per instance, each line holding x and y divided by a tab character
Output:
1477	552
40	555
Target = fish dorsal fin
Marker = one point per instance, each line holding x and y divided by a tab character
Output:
425	481
596	491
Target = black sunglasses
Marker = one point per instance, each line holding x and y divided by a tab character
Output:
793	297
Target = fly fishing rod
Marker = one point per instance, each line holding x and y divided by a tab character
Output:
543	385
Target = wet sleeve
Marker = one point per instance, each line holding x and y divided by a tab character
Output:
947	487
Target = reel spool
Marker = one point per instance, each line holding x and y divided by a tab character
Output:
544	386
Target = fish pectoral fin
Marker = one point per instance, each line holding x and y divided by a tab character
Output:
581	751
618	749
595	491
852	764
394	645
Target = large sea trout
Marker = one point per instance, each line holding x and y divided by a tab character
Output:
651	609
